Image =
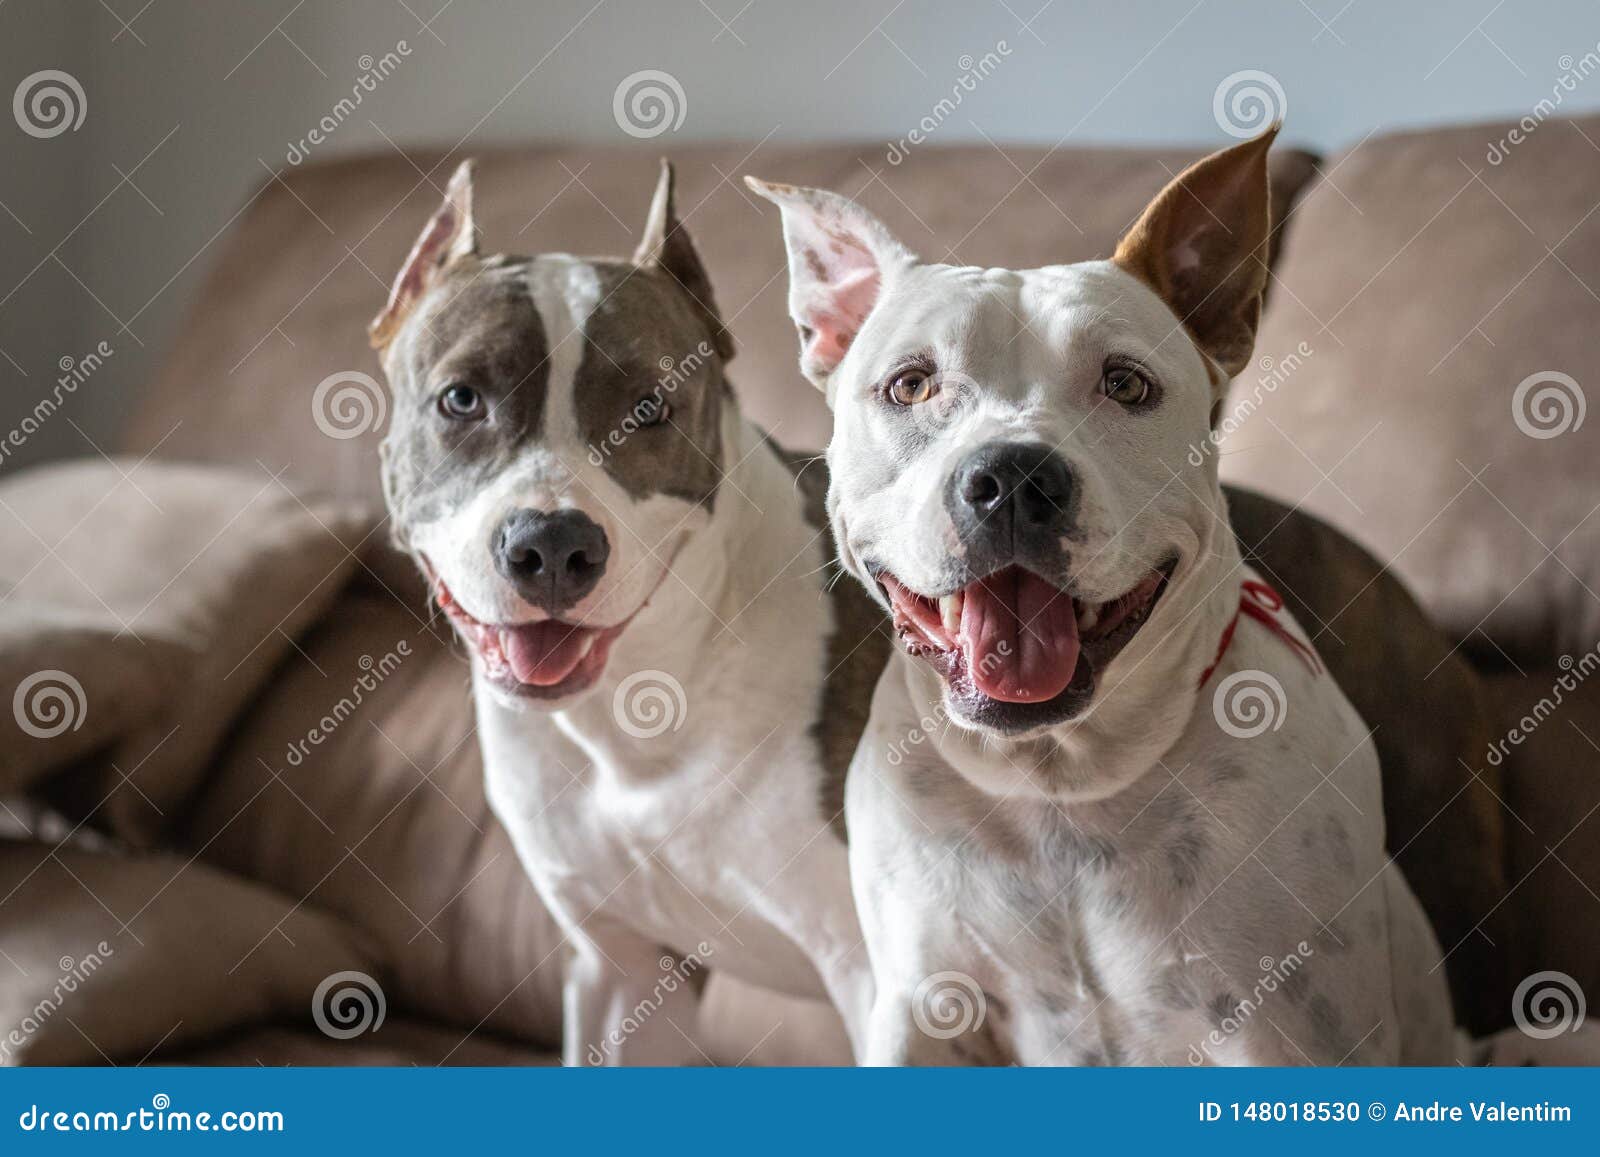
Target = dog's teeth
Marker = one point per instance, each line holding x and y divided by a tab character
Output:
587	646
1088	616
950	613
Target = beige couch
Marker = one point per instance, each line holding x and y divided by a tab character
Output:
222	865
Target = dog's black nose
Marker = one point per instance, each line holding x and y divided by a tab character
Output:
1009	493
553	558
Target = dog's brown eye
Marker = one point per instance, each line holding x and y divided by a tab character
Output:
462	404
651	411
912	387
1125	386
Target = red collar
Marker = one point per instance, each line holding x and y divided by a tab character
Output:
1262	604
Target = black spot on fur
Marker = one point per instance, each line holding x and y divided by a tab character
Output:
1222	1007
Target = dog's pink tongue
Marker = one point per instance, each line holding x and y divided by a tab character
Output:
543	654
1019	637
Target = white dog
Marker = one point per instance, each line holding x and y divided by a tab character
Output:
1109	807
666	699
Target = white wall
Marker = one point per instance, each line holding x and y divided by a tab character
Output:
199	101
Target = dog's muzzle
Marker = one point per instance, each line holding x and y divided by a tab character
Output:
551	558
1011	502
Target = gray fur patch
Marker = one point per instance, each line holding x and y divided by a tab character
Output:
478	327
645	345
857	651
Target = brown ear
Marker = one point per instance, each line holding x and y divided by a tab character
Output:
1202	246
666	246
450	234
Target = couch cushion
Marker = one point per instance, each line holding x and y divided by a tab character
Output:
146	602
357	785
1547	740
103	958
286	308
1428	300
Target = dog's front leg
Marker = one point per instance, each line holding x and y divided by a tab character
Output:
931	1025
627	1001
925	1010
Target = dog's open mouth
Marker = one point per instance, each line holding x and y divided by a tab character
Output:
544	660
1013	637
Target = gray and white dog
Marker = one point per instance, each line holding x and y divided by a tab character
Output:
664	692
1109	808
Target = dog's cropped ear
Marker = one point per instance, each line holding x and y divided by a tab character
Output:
666	246
840	256
1202	246
450	235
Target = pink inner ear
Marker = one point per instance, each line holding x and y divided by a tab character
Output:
425	255
842	291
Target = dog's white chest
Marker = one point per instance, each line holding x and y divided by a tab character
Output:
1073	952
712	835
